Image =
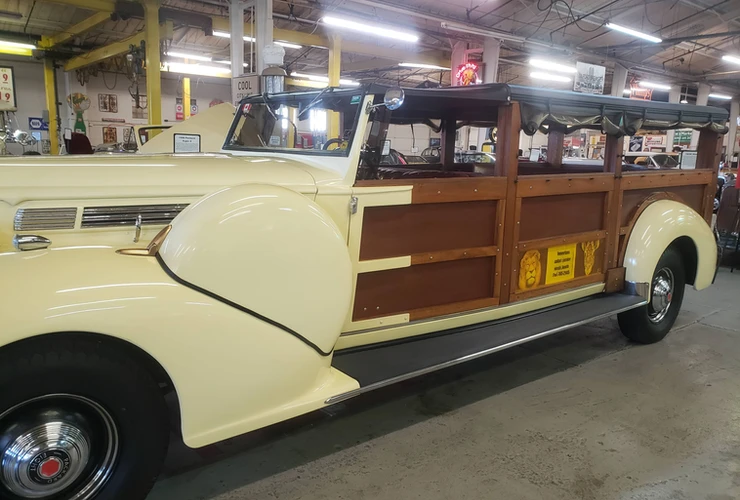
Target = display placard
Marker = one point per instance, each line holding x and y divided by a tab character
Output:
561	262
186	143
688	159
7	89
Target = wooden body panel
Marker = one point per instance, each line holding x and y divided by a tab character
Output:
466	243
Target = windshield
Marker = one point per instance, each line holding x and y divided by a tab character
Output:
302	122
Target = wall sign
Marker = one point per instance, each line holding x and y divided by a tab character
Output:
7	89
468	74
37	124
589	78
244	86
179	110
187	143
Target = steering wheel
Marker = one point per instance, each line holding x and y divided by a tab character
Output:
337	143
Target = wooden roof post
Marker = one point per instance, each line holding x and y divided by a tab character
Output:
507	165
708	153
555	139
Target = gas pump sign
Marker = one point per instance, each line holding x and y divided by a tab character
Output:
7	89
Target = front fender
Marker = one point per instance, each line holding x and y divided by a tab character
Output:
233	372
269	250
657	227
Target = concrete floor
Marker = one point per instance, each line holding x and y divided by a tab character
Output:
580	415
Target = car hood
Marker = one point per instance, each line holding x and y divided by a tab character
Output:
142	176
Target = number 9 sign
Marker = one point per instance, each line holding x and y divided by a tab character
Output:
7	90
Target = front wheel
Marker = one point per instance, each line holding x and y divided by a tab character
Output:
651	322
78	421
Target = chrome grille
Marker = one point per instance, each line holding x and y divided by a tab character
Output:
128	215
34	219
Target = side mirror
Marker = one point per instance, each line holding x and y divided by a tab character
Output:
394	98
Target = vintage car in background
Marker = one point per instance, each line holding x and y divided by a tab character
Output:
652	160
221	293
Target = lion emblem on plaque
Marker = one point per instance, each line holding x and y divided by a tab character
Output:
589	255
530	270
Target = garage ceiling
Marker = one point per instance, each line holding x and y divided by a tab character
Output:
696	34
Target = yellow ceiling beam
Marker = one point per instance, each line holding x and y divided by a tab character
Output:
115	48
309	39
78	29
97	5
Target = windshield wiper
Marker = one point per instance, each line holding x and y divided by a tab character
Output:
314	101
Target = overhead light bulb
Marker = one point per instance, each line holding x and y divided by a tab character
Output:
193	57
551	66
627	92
732	59
422	66
288	45
684	101
539	75
369	29
720	96
635	33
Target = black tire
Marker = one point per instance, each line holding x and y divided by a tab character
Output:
650	323
79	379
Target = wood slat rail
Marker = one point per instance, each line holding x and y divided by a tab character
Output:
547	185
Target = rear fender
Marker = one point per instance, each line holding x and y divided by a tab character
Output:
233	372
661	224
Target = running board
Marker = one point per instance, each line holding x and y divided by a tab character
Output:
384	364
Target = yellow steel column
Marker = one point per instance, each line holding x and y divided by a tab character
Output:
335	69
153	61
186	97
51	105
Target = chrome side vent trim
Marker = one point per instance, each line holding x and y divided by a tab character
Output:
130	215
34	219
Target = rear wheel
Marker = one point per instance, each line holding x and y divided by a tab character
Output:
650	323
78	421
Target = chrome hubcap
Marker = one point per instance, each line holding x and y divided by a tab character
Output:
59	444
661	295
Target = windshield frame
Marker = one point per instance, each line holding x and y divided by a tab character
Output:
295	96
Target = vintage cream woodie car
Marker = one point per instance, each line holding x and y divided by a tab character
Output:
279	276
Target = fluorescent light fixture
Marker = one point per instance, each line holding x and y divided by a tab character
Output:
627	92
197	69
422	66
539	75
684	101
720	96
288	45
324	79
653	85
226	61
16	45
634	33
732	59
369	29
193	57
551	66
